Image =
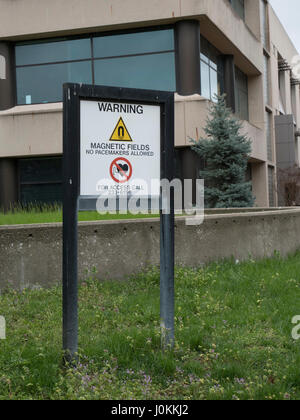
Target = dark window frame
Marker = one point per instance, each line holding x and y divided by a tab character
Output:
239	88
271	185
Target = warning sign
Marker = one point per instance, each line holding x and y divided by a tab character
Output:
120	170
120	148
120	133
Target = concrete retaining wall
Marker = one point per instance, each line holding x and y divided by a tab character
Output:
31	255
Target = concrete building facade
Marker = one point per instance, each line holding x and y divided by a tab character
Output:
196	48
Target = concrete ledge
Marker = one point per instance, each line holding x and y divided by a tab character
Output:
31	255
58	106
250	210
190	98
33	109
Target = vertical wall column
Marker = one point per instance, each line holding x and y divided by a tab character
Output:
8	183
187	44
229	81
256	101
8	167
285	141
285	87
296	104
260	184
190	165
7	76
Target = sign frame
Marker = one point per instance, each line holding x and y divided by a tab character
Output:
72	95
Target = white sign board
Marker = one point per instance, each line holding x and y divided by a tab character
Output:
119	148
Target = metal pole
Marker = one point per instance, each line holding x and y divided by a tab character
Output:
167	278
167	251
70	219
70	283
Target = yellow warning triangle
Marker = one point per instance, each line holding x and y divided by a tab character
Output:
120	133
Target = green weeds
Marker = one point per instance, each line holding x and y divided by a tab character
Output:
233	337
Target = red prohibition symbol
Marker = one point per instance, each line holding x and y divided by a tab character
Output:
120	170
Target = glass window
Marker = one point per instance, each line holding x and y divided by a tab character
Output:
205	83
42	84
155	71
214	87
50	52
239	7
268	125
40	170
139	60
242	107
204	58
41	194
40	180
264	24
135	43
2	67
271	186
266	80
211	70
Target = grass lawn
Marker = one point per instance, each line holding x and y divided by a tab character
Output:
233	337
54	215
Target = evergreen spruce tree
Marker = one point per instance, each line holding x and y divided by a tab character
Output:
225	153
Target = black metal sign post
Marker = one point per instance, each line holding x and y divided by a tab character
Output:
72	95
167	240
71	162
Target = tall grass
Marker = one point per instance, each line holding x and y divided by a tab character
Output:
52	213
232	326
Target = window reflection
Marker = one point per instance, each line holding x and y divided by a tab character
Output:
52	52
211	70
136	43
241	85
139	60
42	84
205	83
143	72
